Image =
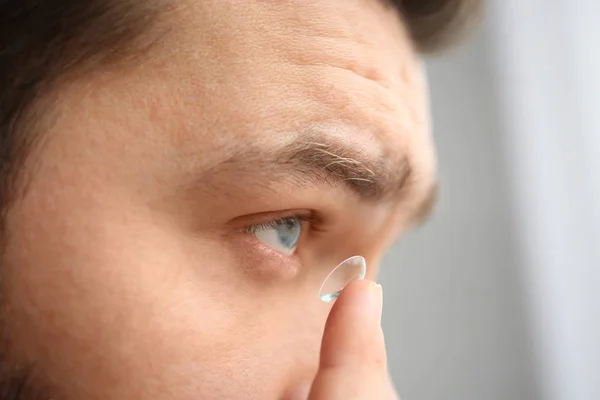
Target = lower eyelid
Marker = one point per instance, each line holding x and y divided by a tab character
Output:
264	261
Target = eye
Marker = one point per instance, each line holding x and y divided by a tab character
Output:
282	234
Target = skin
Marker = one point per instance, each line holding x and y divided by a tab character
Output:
131	275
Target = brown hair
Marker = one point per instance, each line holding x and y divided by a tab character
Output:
41	42
436	24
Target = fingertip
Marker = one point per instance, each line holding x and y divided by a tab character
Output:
353	332
364	298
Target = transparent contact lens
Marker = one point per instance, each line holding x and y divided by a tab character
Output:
354	268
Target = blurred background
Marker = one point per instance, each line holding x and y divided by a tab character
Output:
498	296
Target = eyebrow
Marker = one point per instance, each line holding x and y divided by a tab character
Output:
316	160
370	179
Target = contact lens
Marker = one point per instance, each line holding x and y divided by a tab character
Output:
354	268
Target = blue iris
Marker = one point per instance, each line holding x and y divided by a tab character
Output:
282	234
288	232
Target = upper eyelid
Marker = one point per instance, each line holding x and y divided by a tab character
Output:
269	224
246	221
272	223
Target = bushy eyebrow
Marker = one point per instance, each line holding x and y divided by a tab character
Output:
317	159
371	178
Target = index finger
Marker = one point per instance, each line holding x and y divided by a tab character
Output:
353	360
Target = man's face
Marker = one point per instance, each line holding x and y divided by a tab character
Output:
154	255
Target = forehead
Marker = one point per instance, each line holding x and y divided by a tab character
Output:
255	70
255	73
260	44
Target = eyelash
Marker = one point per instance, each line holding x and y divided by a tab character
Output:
276	222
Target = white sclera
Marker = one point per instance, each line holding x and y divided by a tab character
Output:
354	268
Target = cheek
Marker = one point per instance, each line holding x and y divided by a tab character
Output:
110	303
